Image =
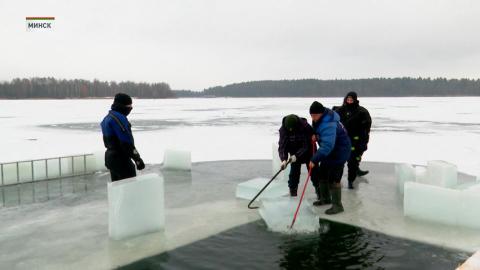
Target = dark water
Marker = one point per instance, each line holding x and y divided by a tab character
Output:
335	246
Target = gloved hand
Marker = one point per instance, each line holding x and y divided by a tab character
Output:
140	164
311	165
284	165
293	158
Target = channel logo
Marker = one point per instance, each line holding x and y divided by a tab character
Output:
39	23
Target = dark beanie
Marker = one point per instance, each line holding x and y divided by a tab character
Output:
122	99
317	108
291	121
353	95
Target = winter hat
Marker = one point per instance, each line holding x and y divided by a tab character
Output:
317	108
291	121
353	95
122	99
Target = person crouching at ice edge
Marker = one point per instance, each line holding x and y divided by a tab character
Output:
295	139
333	152
118	139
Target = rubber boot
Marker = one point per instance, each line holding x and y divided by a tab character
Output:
362	173
293	192
352	175
337	206
323	195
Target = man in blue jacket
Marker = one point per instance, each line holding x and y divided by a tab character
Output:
334	149
118	139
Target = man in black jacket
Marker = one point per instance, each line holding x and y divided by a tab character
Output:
118	139
296	140
358	122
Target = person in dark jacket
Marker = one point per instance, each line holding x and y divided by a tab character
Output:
118	139
295	140
358	122
332	154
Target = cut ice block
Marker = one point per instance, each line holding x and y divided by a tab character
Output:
136	206
248	189
177	160
441	173
469	214
421	175
431	203
404	173
278	214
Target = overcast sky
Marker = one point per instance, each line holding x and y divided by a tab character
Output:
195	44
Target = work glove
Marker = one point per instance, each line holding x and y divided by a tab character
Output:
293	158
140	164
284	165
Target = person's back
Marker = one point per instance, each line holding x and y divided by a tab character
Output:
118	140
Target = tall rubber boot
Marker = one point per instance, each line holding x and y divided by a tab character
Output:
337	206
323	195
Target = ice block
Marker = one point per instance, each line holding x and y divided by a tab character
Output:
431	203
442	173
248	189
136	206
177	160
404	173
278	214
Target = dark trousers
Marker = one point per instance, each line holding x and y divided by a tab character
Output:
295	171
120	167
330	174
354	161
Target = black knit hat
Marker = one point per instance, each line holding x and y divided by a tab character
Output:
353	95
317	108
122	99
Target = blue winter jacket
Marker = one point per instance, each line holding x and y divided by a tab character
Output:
332	138
117	136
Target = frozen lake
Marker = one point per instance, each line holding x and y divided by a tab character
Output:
404	129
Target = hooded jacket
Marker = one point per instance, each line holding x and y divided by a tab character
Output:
356	120
332	138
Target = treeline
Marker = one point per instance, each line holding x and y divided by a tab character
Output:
59	89
375	87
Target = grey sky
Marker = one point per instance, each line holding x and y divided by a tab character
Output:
194	44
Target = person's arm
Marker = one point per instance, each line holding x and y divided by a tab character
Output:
282	145
366	124
124	135
306	139
328	136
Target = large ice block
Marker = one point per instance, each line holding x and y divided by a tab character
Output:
96	162
177	160
469	214
431	203
421	175
248	189
404	173
442	173
278	214
136	206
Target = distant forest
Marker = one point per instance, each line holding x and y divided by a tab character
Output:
375	87
60	89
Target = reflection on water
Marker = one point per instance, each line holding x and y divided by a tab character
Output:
335	246
42	191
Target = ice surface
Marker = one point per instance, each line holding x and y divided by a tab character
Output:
431	203
136	206
278	214
248	189
177	160
404	173
441	173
